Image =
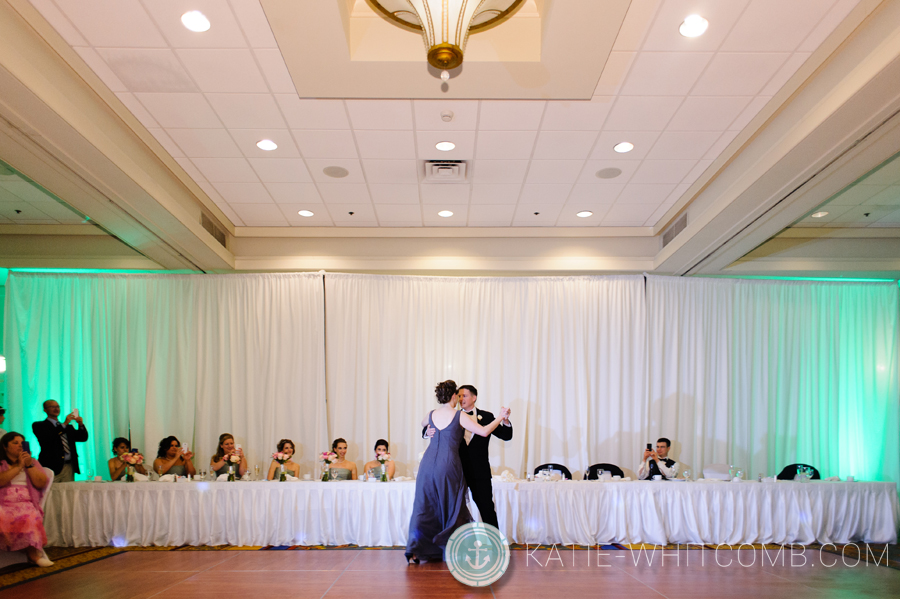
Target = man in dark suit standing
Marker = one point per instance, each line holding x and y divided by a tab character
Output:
58	439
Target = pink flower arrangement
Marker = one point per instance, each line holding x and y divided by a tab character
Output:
233	458
328	456
280	457
385	457
133	459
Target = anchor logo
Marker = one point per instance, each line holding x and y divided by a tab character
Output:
478	565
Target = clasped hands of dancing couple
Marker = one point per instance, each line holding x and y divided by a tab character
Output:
440	503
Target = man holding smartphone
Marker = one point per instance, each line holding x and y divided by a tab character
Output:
657	462
58	439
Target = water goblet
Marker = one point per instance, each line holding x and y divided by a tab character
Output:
687	474
739	474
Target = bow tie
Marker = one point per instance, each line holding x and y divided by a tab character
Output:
470	413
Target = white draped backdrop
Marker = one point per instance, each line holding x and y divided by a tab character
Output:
755	373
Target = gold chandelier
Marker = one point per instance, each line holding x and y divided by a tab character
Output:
445	25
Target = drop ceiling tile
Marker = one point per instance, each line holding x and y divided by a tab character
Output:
644	194
243	193
774	26
665	37
823	29
576	116
498	171
888	197
431	218
631	215
892	220
166	142
683	145
192	171
247	111
260	215
444	193
660	212
534	194
224	71
862	216
254	23
363	215
738	74
697	171
568	216
151	70
391	171
495	193
588	195
721	144
591	167
23	191
353	167
399	215
546	215
60	22
464	140
293	193
223	32
613	76
554	171
113	24
428	115
313	114
205	143
275	71
348	193
27	213
99	66
708	113
662	171
636	25
563	145
753	108
380	114
226	170
138	110
642	113
488	215
387	193
677	193
59	212
607	140
787	70
506	115
833	213
887	174
280	170
214	194
180	111
386	145
509	145
325	144
664	73
247	139
320	217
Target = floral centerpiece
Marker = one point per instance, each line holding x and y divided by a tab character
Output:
131	459
231	460
383	459
327	457
281	458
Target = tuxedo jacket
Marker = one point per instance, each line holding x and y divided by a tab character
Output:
474	456
52	454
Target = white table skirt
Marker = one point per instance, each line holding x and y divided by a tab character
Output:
377	514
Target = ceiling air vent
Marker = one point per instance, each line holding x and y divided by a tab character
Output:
676	228
445	171
211	228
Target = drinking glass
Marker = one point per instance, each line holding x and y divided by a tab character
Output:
739	473
256	472
687	474
730	471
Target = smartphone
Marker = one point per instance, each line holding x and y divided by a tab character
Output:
75	413
185	448
135	450
649	446
26	446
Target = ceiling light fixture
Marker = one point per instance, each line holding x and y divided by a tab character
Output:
818	214
445	146
445	213
266	144
623	147
306	213
447	25
584	214
693	26
195	20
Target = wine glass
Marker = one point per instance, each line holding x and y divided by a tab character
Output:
687	474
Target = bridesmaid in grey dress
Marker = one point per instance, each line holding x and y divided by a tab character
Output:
440	505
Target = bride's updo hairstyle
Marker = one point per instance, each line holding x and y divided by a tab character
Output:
445	391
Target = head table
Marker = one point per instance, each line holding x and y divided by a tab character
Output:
562	512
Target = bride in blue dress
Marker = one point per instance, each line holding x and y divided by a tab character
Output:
440	505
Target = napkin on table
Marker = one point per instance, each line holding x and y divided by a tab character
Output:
834	478
138	477
400	479
291	478
222	478
167	478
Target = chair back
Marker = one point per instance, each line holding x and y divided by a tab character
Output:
594	471
716	471
565	471
50	476
790	471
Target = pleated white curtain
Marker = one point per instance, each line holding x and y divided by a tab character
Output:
186	355
566	354
761	374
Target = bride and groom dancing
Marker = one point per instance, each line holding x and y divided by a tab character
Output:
456	457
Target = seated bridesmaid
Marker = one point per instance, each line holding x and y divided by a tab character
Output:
22	481
171	460
219	462
285	446
381	448
341	469
117	465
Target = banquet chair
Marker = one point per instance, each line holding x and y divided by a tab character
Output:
594	471
790	471
565	471
716	471
9	558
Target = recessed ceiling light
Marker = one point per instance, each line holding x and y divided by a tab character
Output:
335	172
819	214
623	147
266	144
608	173
693	26
306	213
445	213
585	214
195	21
445	146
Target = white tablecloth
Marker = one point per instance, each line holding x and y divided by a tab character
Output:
377	514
